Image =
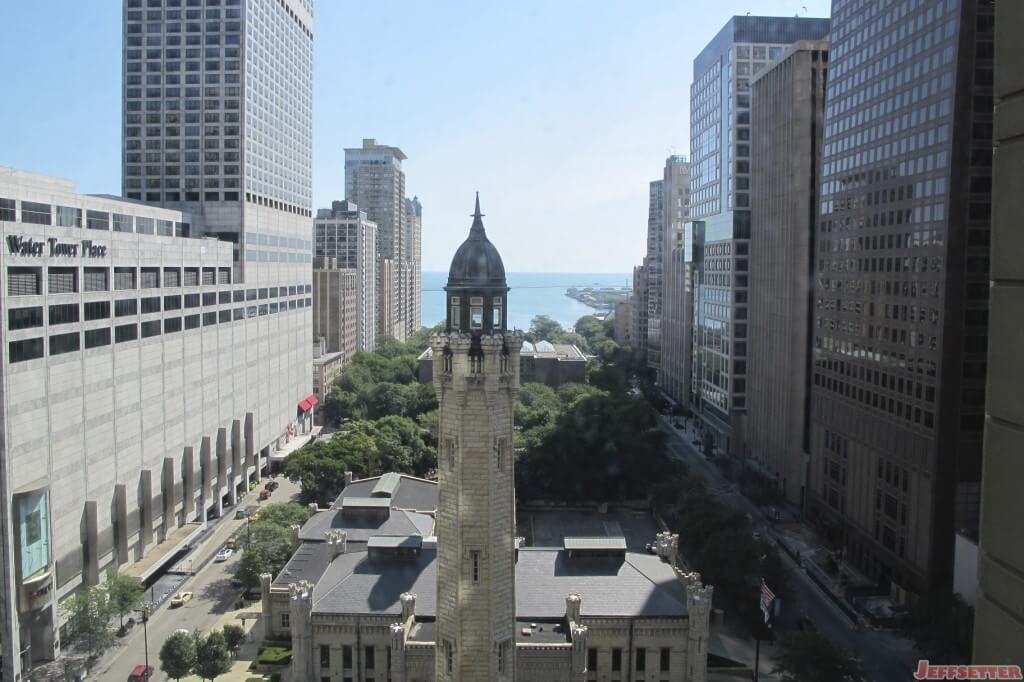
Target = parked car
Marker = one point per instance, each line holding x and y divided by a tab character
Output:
224	554
141	673
180	599
651	548
231	543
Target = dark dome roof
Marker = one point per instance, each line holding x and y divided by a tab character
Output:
477	262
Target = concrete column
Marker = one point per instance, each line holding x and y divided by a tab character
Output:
238	464
206	478
170	497
397	672
222	466
145	509
301	598
268	613
248	433
90	538
188	483
120	517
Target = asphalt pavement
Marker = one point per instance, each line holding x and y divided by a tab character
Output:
213	595
885	656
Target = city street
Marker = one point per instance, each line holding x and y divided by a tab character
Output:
213	593
884	655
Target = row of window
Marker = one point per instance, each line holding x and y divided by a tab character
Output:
32	349
640	660
35	213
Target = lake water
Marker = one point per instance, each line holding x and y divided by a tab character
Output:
532	294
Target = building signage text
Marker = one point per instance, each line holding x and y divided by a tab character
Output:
27	246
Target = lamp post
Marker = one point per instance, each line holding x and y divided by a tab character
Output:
145	634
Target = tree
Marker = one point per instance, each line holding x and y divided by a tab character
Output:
942	625
250	567
284	514
213	658
543	328
320	468
401	446
386	398
809	657
89	612
178	655
234	637
125	594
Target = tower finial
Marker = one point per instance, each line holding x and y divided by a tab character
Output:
478	224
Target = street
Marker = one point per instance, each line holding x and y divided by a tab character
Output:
213	596
884	655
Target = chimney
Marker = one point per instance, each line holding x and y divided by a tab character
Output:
313	509
295	536
337	542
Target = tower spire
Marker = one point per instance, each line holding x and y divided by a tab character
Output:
477	230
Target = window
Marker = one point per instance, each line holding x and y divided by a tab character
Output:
97	220
63	280
172	302
172	277
191	321
325	656
285	620
449	656
591	660
64	343
97	337
150	278
224	316
8	210
35	214
641	660
25	318
496	322
476	317
69	217
346	656
95	279
369	657
616	660
126	332
209	319
124	279
151	305
172	325
151	328
666	659
96	310
29	349
474	557
64	314
24	281
127	306
122	223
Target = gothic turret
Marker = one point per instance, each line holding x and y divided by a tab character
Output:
477	292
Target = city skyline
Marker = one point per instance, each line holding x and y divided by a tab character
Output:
498	123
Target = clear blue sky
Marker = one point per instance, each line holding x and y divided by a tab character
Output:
558	111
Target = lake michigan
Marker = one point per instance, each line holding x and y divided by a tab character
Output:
532	294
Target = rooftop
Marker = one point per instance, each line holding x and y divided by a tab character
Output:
410	492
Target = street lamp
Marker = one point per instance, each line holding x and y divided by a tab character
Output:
145	633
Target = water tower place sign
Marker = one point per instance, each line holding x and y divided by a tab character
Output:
28	246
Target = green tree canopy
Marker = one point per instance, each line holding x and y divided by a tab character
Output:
178	655
234	637
213	658
809	657
88	612
543	328
250	567
942	624
125	594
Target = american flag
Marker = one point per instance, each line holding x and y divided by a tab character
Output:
767	597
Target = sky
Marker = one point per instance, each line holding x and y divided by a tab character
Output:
559	112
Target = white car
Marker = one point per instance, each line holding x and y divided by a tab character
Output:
224	554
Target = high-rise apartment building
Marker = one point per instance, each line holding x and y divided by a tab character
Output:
787	106
374	180
218	121
336	306
414	290
344	233
652	270
720	198
638	309
902	286
676	294
999	610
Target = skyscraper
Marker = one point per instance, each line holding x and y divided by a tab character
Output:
218	121
676	294
344	234
414	290
720	197
787	105
374	180
999	620
652	270
901	293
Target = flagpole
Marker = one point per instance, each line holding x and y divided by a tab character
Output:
757	655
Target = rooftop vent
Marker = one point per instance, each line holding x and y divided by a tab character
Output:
387	485
579	547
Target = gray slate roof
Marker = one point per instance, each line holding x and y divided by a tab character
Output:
409	493
360	529
308	562
640	586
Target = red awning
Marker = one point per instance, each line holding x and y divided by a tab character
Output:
313	400
304	405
